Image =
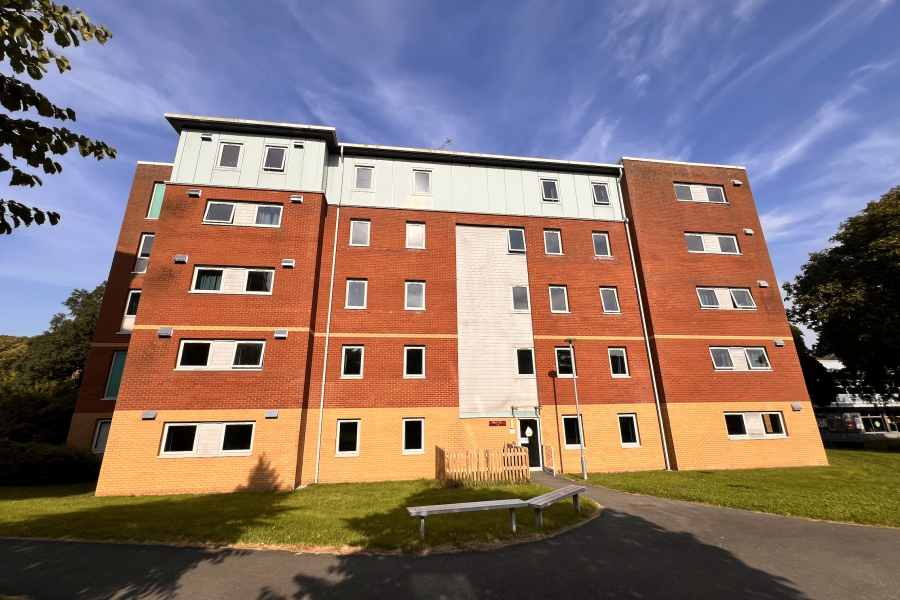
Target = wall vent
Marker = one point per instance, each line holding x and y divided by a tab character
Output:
206	137
287	263
796	406
737	182
298	144
165	332
297	199
148	415
194	193
180	259
748	231
763	283
272	414
281	334
778	342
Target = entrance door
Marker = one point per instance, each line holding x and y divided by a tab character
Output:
528	428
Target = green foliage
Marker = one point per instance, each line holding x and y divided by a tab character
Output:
11	348
819	382
40	412
849	295
40	464
26	29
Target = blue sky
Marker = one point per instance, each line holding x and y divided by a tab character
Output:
803	93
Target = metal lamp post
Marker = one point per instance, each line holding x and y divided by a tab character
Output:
577	408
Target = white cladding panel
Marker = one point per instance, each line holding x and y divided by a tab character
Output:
488	331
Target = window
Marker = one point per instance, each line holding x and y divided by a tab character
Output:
548	190
352	362
414	362
232	280
618	362
275	156
516	239
572	431
144	248
525	362
559	299
413	436
610	300
115	375
757	359
229	155
422	182
740	359
237	437
364	179
131	306
356	293
711	243
415	235
552	241
520	300
699	193
359	233
734	423
347	438
415	295
721	358
242	214
156	200
564	366
601	194
628	431
220	355
101	434
772	424
180	438
726	298
601	244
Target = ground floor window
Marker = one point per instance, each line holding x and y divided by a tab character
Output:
413	436
772	423
208	439
734	423
755	425
572	431
101	434
628	431
347	437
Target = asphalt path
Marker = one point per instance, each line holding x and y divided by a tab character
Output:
638	547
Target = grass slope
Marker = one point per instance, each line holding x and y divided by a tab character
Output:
358	515
858	487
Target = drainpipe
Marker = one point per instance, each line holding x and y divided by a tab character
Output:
337	220
637	286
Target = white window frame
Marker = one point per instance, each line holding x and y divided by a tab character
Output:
750	363
784	430
94	449
112	363
509	247
558	239
606	311
162	445
566	444
637	432
406	285
718	235
565	295
556	359
608	247
403	449
597	201
222	451
256	207
126	315
512	300
609	353
243	292
222	144
206	213
712	358
284	158
337	438
156	184
356	169
430	182
368	232
144	236
746	434
533	365
734	304
262	356
407	349
708	306
414	225
232	367
705	187
362	360
365	294
731	292
555	182
256	215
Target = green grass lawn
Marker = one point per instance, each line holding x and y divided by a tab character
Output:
358	515
859	487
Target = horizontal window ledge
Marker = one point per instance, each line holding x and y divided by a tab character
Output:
766	437
195	455
217	370
347	455
413	453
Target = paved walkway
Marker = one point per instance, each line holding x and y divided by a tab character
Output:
638	547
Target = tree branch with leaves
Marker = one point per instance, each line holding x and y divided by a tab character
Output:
26	28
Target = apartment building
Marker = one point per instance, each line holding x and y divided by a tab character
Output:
284	308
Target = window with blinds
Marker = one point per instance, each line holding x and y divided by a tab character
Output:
689	192
711	243
232	280
726	298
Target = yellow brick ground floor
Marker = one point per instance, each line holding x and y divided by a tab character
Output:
286	450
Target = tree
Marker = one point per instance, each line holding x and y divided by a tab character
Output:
819	381
849	295
26	27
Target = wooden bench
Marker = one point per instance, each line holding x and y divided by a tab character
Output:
541	502
443	509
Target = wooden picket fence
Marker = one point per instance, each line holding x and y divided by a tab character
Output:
509	464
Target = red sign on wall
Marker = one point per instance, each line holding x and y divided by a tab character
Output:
497	423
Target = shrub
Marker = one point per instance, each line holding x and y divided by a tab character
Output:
39	464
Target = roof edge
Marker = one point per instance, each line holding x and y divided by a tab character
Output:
179	122
679	162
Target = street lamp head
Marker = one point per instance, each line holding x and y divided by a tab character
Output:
569	340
